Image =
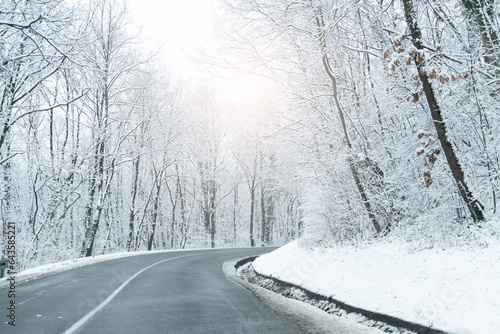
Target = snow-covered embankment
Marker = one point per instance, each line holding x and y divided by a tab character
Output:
455	290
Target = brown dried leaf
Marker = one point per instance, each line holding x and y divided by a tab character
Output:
427	179
433	74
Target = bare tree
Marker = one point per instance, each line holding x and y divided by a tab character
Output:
475	207
35	49
111	65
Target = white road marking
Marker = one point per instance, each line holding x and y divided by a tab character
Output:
89	315
39	293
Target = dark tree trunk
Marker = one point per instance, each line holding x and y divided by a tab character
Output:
235	204
264	237
155	215
481	14
212	211
132	205
474	206
252	211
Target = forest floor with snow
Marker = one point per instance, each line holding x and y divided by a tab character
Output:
456	290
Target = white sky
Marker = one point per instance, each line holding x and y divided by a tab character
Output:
181	26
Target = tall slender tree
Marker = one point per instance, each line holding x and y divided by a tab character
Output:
474	206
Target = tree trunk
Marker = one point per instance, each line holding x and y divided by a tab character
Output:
482	16
212	209
132	205
326	64
252	209
235	203
474	206
182	202
264	232
155	216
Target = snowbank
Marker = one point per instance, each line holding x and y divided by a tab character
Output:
455	290
306	318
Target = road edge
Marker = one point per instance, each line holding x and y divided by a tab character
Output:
51	269
324	303
305	317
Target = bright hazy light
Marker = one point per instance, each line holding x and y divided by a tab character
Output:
243	89
183	27
180	26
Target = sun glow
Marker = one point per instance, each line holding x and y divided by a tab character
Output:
248	102
180	27
244	90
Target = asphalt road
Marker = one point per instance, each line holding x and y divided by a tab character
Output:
178	292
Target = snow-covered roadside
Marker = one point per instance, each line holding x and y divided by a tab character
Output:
59	267
455	290
306	318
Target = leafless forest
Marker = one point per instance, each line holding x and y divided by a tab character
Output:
374	119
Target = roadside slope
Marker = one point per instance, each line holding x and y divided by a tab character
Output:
454	289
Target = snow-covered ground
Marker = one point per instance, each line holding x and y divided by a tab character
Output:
305	318
456	290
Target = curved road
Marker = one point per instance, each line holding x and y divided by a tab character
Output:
178	292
